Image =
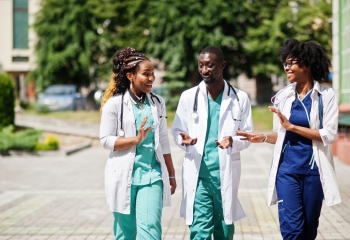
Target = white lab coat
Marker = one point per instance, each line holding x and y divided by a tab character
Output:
229	159
119	167
322	150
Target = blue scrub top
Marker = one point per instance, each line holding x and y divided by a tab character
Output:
210	162
297	154
146	167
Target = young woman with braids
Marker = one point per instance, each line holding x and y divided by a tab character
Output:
139	174
305	125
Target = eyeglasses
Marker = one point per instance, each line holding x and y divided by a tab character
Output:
289	64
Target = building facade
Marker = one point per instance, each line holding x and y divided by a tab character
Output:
17	42
341	75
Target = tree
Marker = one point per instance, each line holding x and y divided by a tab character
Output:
275	22
77	39
179	30
120	24
67	35
250	34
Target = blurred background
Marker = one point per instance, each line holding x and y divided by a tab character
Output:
50	45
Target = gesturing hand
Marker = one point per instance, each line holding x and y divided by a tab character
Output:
172	185
251	137
187	140
283	120
142	131
224	143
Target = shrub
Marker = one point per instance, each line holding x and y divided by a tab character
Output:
24	140
7	100
42	109
24	104
51	143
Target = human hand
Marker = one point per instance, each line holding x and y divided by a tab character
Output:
187	140
142	131
283	120
251	137
172	185
224	143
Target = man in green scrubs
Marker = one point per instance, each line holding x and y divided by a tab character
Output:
204	126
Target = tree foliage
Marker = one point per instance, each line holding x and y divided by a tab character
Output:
288	19
77	39
180	32
275	22
66	37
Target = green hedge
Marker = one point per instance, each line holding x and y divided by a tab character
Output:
24	140
7	100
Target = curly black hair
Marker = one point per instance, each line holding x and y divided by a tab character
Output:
124	61
310	54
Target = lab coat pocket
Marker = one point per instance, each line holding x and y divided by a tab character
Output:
229	122
237	117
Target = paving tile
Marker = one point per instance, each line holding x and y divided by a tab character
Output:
62	198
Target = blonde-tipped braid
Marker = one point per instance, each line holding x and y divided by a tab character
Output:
111	89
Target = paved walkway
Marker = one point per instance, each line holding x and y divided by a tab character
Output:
62	197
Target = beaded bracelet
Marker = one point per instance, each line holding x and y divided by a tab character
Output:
171	176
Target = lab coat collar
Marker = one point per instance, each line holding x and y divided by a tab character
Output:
127	98
317	88
226	100
203	88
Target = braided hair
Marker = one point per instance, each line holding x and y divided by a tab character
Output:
310	54
124	61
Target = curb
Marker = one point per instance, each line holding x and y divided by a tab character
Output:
55	153
79	147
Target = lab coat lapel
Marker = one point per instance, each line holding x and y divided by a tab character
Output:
155	118
128	112
314	113
226	100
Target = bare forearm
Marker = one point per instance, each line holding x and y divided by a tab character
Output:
125	143
169	164
271	138
312	134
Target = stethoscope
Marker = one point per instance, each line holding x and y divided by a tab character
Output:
273	99
121	132
194	114
276	105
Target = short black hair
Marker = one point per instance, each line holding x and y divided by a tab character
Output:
216	50
310	54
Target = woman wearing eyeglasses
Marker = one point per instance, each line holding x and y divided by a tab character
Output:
304	127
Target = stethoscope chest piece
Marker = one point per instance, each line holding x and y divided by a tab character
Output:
194	116
121	133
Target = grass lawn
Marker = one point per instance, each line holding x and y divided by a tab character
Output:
79	116
262	117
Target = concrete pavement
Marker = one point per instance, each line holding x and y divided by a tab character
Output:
62	197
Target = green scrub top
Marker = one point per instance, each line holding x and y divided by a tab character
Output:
210	161
146	167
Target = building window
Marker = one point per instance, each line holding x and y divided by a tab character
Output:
20	59
20	24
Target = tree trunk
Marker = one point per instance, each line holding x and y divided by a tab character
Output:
264	90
